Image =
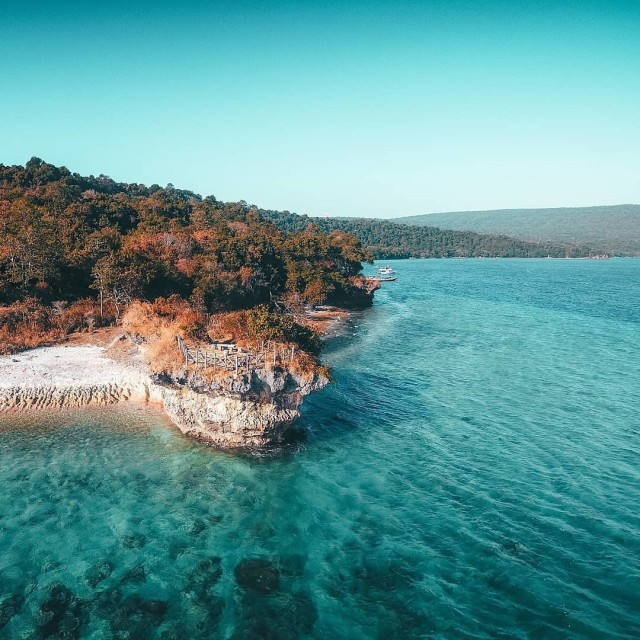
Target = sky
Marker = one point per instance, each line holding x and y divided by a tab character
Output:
374	108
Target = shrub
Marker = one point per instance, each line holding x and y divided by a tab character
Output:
265	325
82	315
158	323
162	353
29	323
148	319
249	328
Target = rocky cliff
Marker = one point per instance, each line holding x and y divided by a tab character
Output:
238	411
253	410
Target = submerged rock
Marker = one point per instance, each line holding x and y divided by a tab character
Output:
134	540
134	618
135	575
9	607
285	616
99	572
257	574
204	577
60	615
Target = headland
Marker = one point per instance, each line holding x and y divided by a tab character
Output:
250	409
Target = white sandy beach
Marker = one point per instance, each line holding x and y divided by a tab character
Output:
67	376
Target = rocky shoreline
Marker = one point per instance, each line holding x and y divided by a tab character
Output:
252	411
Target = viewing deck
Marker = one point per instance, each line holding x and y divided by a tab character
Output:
232	358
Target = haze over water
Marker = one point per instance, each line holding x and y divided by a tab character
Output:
472	473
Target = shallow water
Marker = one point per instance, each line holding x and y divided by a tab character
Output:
472	473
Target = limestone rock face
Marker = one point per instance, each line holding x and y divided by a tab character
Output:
249	411
237	411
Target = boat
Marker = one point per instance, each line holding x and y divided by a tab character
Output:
385	270
388	279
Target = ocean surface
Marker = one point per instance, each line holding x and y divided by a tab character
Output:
473	472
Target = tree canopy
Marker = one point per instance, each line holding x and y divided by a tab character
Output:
387	239
66	237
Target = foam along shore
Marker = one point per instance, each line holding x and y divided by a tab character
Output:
254	411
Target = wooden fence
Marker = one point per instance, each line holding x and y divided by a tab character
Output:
230	357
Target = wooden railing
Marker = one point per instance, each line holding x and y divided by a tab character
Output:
230	357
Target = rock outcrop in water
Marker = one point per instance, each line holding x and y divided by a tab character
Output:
251	410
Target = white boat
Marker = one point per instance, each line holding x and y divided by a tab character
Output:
385	270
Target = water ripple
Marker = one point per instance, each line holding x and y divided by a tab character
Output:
472	473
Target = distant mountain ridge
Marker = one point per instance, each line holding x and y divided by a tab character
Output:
388	239
614	229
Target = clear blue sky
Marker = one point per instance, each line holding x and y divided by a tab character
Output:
332	108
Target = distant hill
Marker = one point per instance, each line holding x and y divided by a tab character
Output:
386	239
614	229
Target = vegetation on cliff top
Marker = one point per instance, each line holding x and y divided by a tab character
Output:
77	251
158	323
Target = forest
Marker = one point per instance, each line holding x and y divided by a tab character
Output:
77	251
387	239
609	229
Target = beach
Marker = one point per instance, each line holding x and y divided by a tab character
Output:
68	376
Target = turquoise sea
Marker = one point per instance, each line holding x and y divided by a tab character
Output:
473	472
